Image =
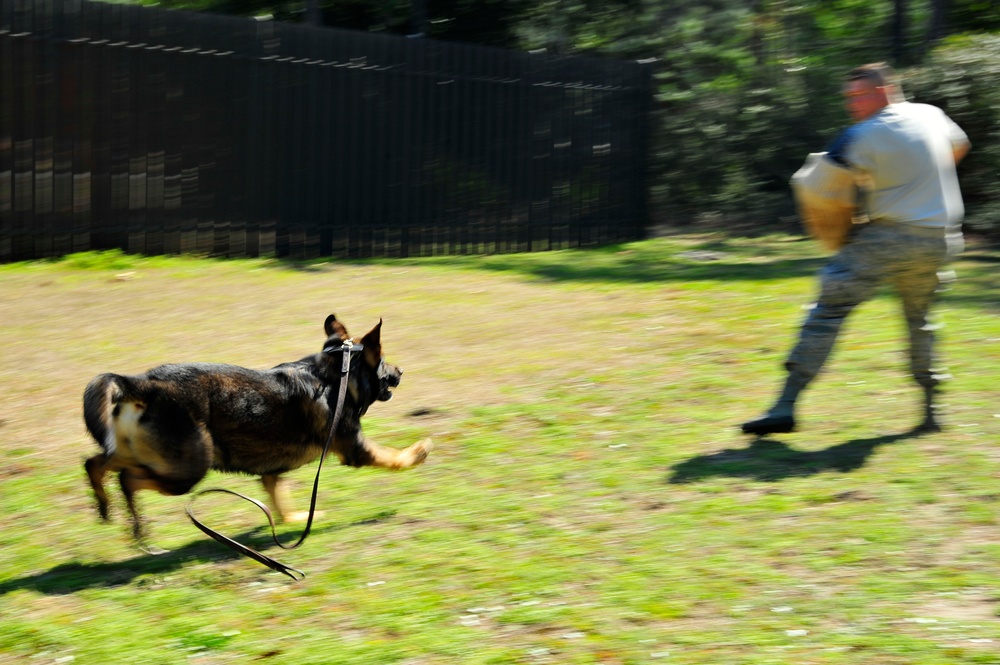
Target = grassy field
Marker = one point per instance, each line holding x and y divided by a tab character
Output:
589	498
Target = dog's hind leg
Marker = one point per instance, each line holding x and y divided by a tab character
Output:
132	480
96	467
170	453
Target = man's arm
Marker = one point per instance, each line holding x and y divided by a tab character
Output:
838	147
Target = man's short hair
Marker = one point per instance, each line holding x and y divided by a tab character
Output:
878	73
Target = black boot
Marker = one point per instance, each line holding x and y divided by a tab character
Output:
769	424
780	418
932	411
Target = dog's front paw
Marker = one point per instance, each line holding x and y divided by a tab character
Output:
418	451
299	516
151	549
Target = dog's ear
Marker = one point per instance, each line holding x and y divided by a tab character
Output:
335	328
373	345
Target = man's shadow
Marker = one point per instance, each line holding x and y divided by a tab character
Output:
769	460
72	577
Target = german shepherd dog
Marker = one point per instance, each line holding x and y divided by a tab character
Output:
163	430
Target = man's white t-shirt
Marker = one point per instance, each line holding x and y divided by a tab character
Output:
904	156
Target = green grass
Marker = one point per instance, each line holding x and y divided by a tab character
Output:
589	499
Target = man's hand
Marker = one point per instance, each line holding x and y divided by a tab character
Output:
961	151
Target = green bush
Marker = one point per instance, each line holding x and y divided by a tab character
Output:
963	77
728	154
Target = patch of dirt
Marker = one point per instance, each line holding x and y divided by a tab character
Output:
973	606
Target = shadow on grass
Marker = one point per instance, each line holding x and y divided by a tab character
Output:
768	460
72	577
632	271
712	260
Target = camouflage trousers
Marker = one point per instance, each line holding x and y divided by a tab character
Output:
910	261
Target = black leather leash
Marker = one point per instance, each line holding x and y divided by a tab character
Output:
346	349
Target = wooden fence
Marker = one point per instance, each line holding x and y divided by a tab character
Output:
161	131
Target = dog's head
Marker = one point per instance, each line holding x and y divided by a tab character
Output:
372	378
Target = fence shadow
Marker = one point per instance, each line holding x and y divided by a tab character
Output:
768	460
680	270
72	577
713	260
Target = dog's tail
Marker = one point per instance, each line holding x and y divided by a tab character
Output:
99	400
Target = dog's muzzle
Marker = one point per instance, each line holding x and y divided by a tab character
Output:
388	377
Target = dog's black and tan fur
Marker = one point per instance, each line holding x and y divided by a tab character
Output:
163	430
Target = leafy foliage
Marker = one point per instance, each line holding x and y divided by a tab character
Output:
973	16
744	90
963	78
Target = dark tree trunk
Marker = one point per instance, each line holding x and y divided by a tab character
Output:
899	33
939	16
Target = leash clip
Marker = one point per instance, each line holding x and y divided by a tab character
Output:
345	361
347	348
